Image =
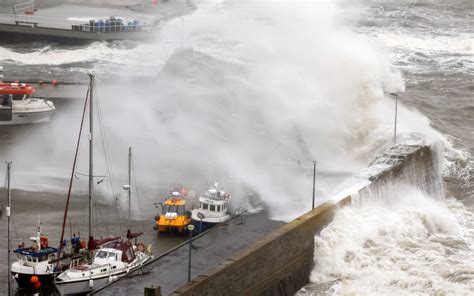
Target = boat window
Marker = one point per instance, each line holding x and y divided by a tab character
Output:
112	256
212	208
101	254
181	210
218	208
172	209
18	97
206	206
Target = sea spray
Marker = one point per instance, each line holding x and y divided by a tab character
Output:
410	246
262	92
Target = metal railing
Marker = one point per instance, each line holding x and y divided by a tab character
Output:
26	7
119	24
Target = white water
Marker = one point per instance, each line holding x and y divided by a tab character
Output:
417	245
284	69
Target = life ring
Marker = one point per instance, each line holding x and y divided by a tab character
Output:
141	247
44	242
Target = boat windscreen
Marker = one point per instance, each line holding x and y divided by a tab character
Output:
102	254
181	211
169	209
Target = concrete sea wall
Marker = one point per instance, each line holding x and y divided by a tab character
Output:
281	263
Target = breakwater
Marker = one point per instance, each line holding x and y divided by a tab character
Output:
281	263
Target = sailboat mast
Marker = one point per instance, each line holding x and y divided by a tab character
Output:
130	183
8	226
91	149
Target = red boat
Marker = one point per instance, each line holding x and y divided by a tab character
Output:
17	107
16	89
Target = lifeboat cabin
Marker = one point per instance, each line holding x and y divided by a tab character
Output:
174	215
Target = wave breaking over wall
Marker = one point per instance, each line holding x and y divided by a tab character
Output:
281	263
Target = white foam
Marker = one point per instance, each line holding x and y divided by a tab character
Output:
415	246
462	44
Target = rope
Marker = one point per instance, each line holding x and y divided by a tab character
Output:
108	162
4	197
72	177
138	193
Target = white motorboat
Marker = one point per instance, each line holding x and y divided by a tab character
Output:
213	209
113	260
18	107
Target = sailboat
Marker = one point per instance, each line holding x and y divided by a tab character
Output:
114	258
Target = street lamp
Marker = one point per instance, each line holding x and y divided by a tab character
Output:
314	180
396	113
200	216
190	229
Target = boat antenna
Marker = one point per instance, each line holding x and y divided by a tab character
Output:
91	154
72	178
38	234
9	165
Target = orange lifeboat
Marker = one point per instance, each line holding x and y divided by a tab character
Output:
16	89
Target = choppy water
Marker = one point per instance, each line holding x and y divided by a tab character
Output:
270	87
417	246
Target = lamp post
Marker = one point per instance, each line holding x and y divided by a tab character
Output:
314	180
200	216
190	229
8	212
396	113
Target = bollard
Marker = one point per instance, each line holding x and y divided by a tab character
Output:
153	290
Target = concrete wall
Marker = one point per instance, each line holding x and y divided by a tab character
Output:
281	263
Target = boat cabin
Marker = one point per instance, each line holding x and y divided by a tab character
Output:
32	256
6	108
213	206
173	214
116	251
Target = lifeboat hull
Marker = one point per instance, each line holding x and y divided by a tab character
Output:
28	117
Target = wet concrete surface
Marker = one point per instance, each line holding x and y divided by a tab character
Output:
171	271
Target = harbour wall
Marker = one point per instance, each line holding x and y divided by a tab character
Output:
281	263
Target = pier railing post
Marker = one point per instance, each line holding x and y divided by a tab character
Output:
190	229
314	182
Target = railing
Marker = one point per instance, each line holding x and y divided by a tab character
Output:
110	25
26	7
